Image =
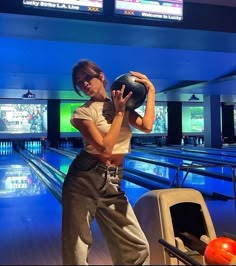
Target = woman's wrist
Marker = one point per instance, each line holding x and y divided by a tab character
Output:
119	113
151	90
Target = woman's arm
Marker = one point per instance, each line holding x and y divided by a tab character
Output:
146	122
104	143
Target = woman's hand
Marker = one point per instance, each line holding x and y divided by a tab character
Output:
118	99
143	79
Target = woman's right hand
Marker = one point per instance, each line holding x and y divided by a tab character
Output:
118	99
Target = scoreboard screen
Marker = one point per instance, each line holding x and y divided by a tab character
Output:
86	6
153	9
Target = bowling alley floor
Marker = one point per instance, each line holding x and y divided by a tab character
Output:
31	224
223	214
31	229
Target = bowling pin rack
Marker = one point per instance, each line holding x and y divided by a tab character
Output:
187	167
196	246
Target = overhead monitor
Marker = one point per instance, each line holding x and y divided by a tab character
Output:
160	123
192	118
66	110
68	107
23	119
150	9
86	6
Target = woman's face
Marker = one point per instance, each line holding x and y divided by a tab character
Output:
90	85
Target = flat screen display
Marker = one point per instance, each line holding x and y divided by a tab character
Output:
87	6
159	10
23	119
160	124
66	111
192	118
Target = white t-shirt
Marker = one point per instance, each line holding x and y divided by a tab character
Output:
102	114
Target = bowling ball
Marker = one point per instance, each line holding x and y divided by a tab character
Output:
220	251
139	90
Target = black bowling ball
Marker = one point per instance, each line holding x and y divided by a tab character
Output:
139	90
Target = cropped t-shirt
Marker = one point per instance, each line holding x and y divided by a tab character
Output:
102	114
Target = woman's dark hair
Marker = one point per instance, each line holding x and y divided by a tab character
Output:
88	68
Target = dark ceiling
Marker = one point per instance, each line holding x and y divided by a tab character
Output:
196	55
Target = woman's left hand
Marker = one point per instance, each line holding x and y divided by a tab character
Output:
143	79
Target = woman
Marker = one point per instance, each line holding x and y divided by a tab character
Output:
92	186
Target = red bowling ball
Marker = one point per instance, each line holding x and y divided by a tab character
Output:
139	90
220	251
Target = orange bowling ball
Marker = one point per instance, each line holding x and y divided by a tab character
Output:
220	251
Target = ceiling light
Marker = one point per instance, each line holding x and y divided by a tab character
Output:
193	98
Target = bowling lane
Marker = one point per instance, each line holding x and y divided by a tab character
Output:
211	167
207	165
194	155
222	211
202	182
206	179
224	151
29	216
62	162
